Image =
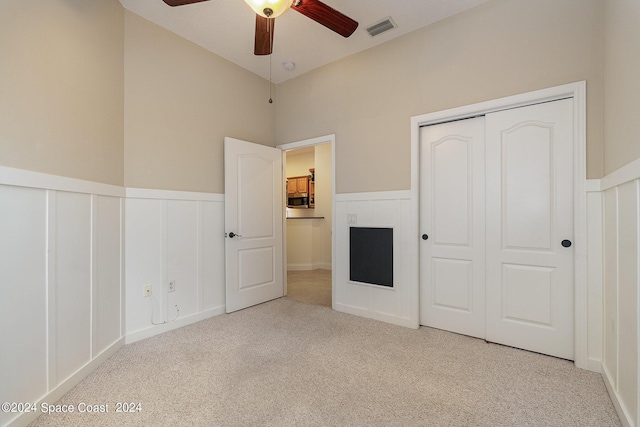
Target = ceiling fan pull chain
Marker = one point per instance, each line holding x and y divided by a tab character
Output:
270	100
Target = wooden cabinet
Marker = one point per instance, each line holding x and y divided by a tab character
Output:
298	184
302	184
292	186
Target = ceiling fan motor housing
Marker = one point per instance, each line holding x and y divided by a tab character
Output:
269	8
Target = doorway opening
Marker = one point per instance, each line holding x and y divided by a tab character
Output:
308	226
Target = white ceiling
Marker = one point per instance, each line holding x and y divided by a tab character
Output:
226	28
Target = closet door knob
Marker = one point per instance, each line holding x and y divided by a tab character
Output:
566	243
425	237
232	235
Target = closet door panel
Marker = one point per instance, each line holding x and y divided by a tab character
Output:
529	216
452	222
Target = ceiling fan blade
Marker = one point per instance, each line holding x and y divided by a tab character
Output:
264	35
181	2
327	16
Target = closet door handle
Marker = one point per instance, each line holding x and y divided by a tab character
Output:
566	243
232	235
425	237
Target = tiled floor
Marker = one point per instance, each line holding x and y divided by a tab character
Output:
310	286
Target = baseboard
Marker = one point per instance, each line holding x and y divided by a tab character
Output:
594	365
178	323
299	267
623	414
57	393
322	266
399	321
308	267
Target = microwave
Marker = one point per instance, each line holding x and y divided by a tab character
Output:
298	202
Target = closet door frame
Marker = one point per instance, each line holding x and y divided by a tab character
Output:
575	91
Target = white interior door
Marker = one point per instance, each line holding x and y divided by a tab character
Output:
529	182
452	220
254	209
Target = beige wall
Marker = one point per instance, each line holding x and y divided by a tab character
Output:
300	161
622	83
180	102
324	202
61	88
502	48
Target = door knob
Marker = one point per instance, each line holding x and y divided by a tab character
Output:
566	243
232	235
425	237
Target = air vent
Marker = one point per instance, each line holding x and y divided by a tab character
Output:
381	27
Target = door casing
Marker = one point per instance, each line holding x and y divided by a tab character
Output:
327	139
575	91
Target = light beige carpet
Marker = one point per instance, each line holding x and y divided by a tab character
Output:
286	363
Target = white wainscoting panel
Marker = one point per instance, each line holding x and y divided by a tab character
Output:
23	306
628	297
610	350
107	272
143	254
70	319
61	278
386	209
621	237
182	256
211	266
594	280
173	237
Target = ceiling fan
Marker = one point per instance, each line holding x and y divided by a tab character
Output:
268	10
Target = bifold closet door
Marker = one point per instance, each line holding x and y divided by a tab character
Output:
452	219
529	218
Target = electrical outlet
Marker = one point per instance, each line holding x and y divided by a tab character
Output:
172	286
146	291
